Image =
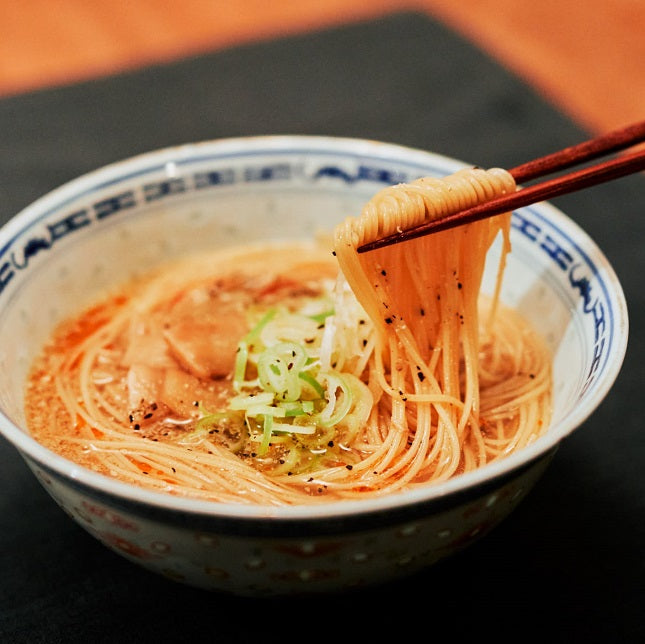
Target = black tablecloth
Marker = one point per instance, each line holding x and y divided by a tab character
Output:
567	566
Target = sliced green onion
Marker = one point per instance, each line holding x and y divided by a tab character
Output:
308	406
321	317
266	410
337	408
254	333
293	413
294	397
297	408
243	402
278	369
241	359
293	429
266	436
312	382
243	352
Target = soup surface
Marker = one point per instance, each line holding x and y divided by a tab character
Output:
254	375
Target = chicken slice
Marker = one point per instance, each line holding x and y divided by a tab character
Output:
202	334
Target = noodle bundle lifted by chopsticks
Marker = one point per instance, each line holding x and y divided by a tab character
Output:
460	394
221	380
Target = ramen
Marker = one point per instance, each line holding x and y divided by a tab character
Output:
304	372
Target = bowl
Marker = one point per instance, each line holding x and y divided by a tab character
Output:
104	227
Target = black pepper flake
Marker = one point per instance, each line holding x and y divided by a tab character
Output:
459	285
422	312
148	415
310	479
349	467
361	321
131	417
383	272
364	342
174	470
421	376
137	426
330	444
531	376
333	252
388	320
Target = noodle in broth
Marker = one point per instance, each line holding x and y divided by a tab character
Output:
222	379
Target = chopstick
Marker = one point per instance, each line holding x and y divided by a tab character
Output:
567	157
597	147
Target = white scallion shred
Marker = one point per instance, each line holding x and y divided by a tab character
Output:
285	373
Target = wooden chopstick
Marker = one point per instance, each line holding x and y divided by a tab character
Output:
595	148
613	169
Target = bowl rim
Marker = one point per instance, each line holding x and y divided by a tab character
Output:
32	451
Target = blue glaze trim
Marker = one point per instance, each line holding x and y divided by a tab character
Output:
597	306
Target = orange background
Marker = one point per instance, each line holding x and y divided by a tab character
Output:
585	56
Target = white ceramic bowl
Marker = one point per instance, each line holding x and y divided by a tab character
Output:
101	228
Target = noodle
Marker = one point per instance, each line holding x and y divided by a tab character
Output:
222	380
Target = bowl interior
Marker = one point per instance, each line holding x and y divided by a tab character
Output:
105	227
